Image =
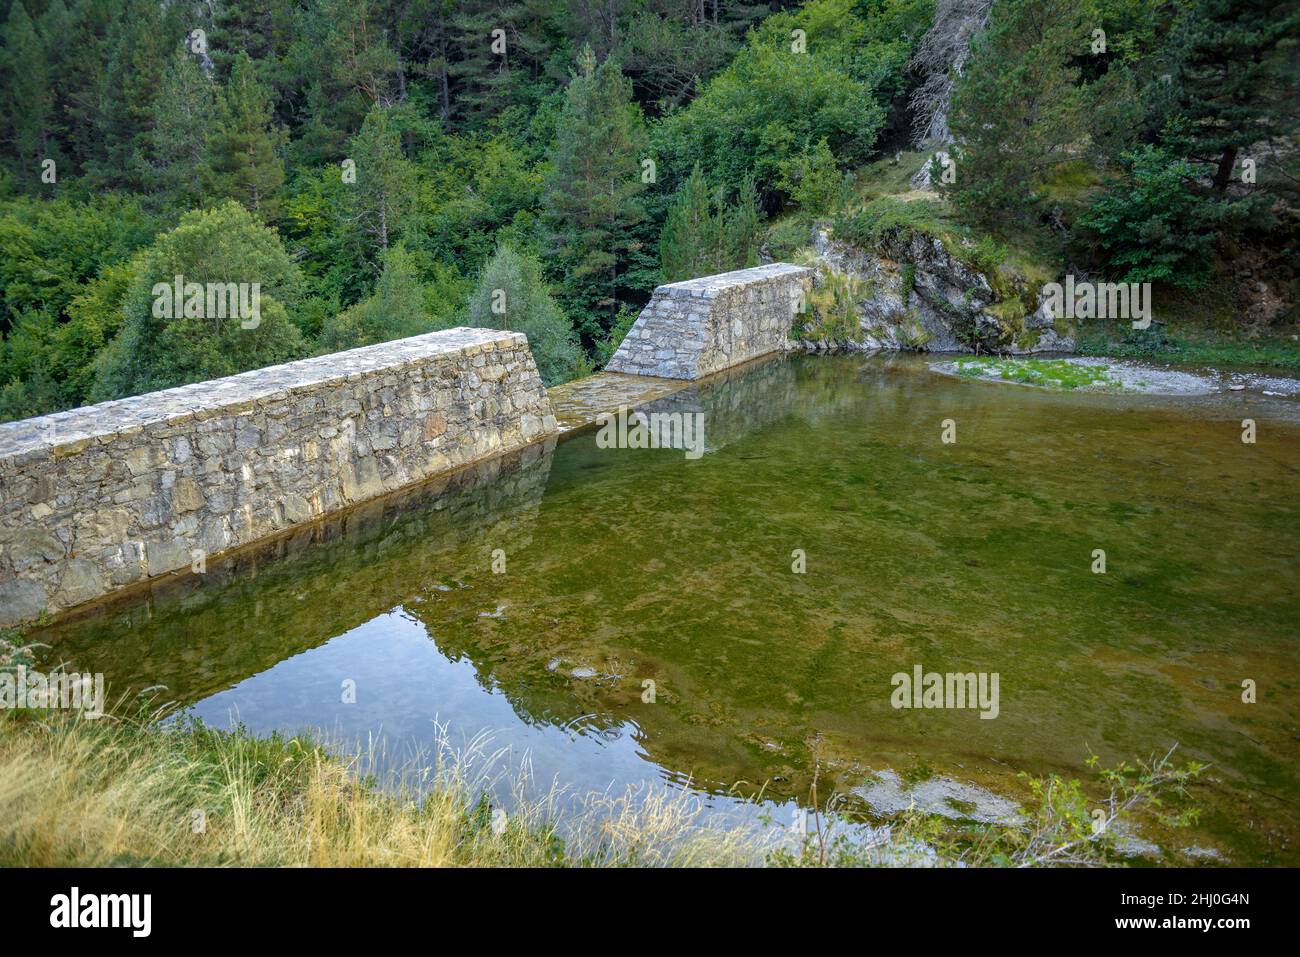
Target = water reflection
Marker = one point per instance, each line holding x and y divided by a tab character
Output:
628	566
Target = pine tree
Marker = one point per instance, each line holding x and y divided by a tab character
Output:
182	116
688	244
744	226
702	235
592	195
383	195
140	41
26	100
510	294
241	160
1238	80
1017	103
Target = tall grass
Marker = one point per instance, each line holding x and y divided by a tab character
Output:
82	792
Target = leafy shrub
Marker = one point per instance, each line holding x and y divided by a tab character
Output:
221	245
510	294
888	214
814	181
394	310
1150	225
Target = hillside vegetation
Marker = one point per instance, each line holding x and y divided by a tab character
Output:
383	167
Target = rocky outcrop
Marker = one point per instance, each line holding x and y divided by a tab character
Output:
695	328
912	292
99	498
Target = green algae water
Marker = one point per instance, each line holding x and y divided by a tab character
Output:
644	623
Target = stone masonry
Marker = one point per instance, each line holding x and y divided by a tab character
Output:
695	328
98	498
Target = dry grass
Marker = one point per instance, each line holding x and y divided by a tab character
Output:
80	792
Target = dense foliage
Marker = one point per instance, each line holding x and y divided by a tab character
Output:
375	165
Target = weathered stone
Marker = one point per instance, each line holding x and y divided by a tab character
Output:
32	546
915	294
88	503
81	581
186	495
695	328
168	556
21	600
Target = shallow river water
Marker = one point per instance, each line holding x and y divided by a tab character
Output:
648	625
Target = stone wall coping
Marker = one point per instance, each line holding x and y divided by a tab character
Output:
32	438
710	285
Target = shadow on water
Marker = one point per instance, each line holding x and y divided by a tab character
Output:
648	625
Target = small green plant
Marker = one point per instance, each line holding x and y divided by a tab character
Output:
832	313
1049	373
909	283
888	214
987	255
789	236
914	335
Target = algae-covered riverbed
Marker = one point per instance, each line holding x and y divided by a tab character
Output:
643	621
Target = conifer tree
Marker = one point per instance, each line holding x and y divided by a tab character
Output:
26	101
383	195
510	294
592	196
690	240
1238	80
242	160
1018	103
183	114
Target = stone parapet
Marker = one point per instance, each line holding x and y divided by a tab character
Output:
98	498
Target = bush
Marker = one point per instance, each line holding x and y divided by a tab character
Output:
871	223
1150	225
788	237
510	294
221	245
394	311
814	182
768	108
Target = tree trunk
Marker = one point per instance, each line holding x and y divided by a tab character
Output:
1223	174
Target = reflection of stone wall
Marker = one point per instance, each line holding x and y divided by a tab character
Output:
694	328
197	634
98	498
735	403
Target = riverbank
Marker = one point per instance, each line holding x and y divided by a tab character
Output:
82	793
1188	341
112	791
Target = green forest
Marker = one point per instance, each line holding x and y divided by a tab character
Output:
384	168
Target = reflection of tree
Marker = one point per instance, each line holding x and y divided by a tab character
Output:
197	634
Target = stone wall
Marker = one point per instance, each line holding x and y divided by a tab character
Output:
99	498
694	328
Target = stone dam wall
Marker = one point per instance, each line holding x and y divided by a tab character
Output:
99	498
695	328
